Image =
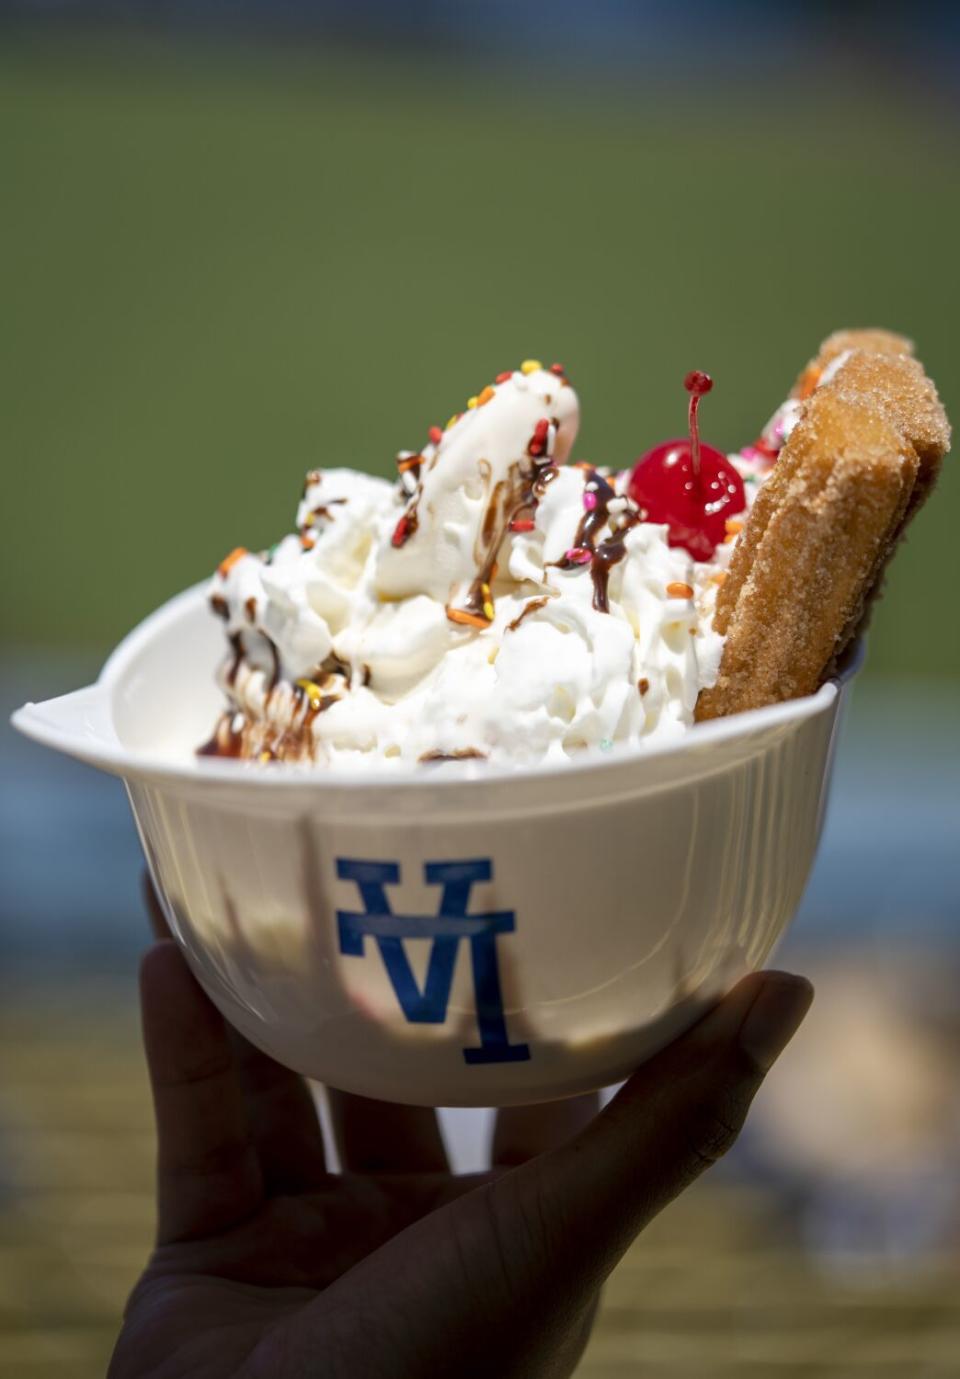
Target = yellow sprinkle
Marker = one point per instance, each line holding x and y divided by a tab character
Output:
312	691
531	366
471	403
488	610
455	417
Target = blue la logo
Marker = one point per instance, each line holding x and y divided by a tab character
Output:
446	930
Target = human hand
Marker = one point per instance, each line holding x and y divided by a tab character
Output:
268	1266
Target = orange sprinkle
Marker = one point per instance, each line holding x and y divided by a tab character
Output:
729	540
410	462
733	526
460	615
307	541
719	577
485	396
228	561
676	590
809	381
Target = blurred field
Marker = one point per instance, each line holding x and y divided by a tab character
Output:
717	1287
225	269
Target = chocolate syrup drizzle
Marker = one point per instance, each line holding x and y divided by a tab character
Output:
236	646
512	499
608	553
409	519
226	741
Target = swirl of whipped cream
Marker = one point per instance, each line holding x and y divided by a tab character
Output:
360	641
288	605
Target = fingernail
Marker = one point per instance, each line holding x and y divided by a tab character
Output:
775	1017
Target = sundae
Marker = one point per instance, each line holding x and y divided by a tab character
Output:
503	601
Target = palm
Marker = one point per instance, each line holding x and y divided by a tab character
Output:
247	1283
309	1240
271	1266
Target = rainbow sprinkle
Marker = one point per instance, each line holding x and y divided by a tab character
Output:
312	691
579	555
228	561
460	615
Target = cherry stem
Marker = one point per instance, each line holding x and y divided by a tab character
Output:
696	383
694	434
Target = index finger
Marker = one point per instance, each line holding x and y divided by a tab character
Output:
208	1172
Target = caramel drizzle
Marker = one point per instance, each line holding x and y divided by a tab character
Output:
322	511
460	754
496	520
526	610
514	498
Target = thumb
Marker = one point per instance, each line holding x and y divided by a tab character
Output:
506	1274
675	1117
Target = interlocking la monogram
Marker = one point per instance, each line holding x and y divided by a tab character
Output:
446	930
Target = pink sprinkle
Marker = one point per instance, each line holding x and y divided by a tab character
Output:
579	555
750	452
589	501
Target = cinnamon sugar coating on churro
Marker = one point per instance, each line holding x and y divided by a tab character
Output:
832	510
840	342
893	385
861	459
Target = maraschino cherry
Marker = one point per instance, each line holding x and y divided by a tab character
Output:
690	487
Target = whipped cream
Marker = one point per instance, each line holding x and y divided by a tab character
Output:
494	603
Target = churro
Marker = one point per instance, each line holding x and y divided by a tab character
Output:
860	460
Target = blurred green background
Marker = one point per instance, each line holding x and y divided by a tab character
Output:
225	269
